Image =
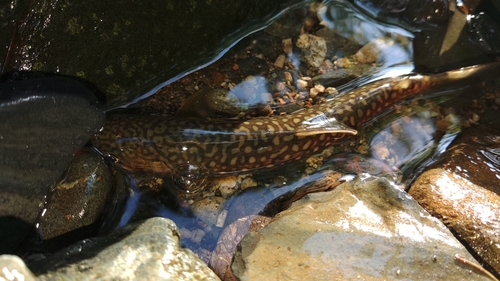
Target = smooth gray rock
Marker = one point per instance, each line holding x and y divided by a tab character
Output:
44	122
147	250
367	229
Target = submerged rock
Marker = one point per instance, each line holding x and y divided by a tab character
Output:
313	49
44	122
78	201
147	250
366	229
209	103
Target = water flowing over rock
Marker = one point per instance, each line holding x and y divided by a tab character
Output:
147	250
367	229
44	122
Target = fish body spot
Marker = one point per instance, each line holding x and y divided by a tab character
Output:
233	161
360	113
306	145
276	140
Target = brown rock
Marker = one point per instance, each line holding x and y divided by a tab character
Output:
469	210
476	156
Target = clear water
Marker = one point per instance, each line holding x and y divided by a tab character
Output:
274	188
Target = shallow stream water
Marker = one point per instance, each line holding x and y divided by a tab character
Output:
298	55
394	145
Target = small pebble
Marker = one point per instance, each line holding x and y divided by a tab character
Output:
281	86
313	92
221	219
197	235
475	118
343	62
280	61
328	64
288	76
248	182
320	88
301	84
251	79
287	45
331	91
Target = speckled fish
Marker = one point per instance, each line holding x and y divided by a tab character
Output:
217	147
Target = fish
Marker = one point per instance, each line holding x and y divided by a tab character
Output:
218	147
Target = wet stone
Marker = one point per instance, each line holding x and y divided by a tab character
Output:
462	191
78	201
428	12
147	250
475	156
367	229
44	121
208	209
471	211
14	269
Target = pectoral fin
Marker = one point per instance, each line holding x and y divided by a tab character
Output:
323	125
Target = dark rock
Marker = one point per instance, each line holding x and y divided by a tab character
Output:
130	48
428	12
78	201
44	121
485	33
475	156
